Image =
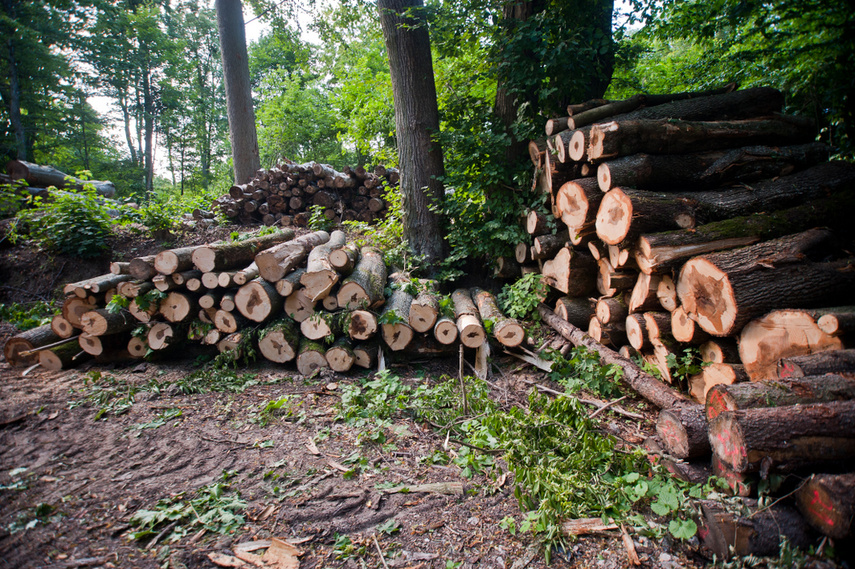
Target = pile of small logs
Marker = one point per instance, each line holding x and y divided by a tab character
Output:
314	298
712	221
283	195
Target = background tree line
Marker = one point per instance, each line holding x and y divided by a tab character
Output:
500	69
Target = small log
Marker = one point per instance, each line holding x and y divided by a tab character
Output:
229	322
178	306
227	302
226	279
597	114
138	346
320	276
658	326
320	325
95	285
572	272
506	268
712	375
536	223
28	341
232	343
120	268
101	322
837	321
683	431
231	255
344	258
62	327
361	325
211	280
133	289
645	295
666	293
143	309
210	300
719	351
74	307
340	356
279	341
365	354
643	383
290	283
395	328
686	330
103	345
837	361
575	310
445	331
507	331
554	126
695	473
781	334
472	333
424	310
163	283
827	501
612	334
724	291
742	484
61	357
612	310
245	275
636	332
364	287
725	534
258	300
175	260
783	439
778	393
299	306
311	357
162	335
576	204
547	246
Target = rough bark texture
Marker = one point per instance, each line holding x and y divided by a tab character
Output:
28	340
396	330
364	287
624	214
416	122
643	383
242	134
683	431
575	310
785	438
231	255
572	272
712	375
320	276
827	501
835	361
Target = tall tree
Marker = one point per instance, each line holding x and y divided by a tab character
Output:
416	123
242	131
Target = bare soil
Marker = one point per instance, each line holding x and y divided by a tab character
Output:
70	483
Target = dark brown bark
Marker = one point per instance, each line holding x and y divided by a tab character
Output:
827	501
713	375
572	272
575	310
683	431
625	214
238	254
835	361
416	123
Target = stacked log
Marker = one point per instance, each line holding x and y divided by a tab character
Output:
284	194
314	299
702	225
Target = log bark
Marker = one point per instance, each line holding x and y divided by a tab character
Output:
175	260
536	223
231	255
320	276
837	361
724	291
683	431
506	268
61	357
287	285
625	214
340	356
575	310
507	331
658	326
712	375
469	326
258	300
547	246
120	268
101	322
44	176
344	258
625	137
777	393
364	287
643	383
838	321
311	357
611	109
103	345
720	351
572	272
279	341
784	439
395	328
827	502
275	262
781	334
27	341
142	268
365	354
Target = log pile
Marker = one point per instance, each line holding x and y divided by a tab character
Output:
283	195
713	222
314	299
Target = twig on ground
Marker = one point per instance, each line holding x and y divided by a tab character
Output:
379	551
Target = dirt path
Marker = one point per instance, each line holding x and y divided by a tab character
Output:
70	483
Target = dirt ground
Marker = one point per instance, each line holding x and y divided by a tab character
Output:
69	483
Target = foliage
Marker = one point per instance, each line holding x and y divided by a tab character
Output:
213	379
583	370
28	315
685	365
317	220
12	199
282	407
108	394
212	508
388	234
71	223
520	298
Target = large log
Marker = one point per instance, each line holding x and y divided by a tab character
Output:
101	322
827	502
778	393
507	331
279	342
781	334
625	137
320	276
236	254
661	252
572	272
683	431
576	204
784	439
26	342
643	383
575	310
44	176
724	291
836	361
364	287
624	214
258	300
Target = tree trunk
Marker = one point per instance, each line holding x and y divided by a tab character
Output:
340	356
625	214
625	137
827	501
835	361
575	310
231	255
361	325
278	342
781	334
416	122
27	341
783	439
242	133
724	291
43	176
311	357
643	383
101	322
364	287
712	375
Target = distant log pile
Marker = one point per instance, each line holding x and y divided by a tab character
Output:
711	221
284	195
314	299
